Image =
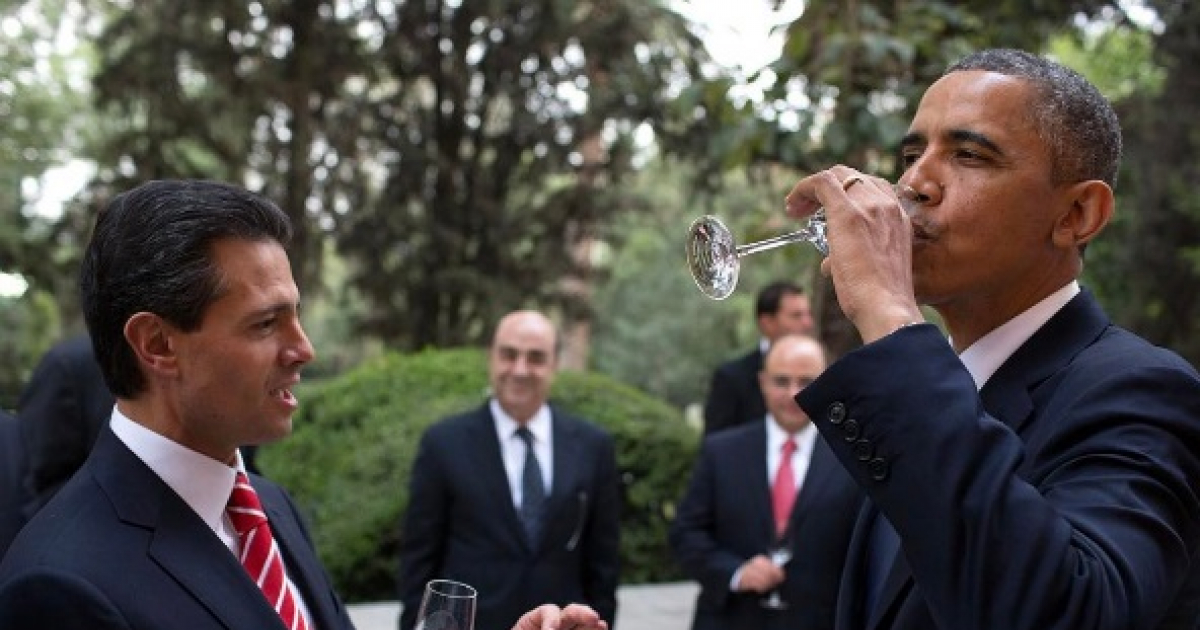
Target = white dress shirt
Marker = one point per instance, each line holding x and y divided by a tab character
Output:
512	447
990	351
776	436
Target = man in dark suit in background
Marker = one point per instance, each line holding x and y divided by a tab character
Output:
739	505
62	409
1040	470
11	492
519	528
734	396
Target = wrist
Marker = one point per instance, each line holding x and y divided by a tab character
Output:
885	326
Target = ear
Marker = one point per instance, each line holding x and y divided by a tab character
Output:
1091	209
151	339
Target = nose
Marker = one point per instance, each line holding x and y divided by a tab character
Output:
299	349
919	184
520	366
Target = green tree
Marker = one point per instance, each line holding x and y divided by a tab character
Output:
654	329
503	133
39	104
465	157
1148	265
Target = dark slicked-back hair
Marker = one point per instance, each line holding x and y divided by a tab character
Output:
151	251
1071	116
772	294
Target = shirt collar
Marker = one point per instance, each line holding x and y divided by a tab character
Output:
990	351
201	481
776	436
506	426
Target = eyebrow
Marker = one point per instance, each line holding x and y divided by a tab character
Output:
275	309
958	136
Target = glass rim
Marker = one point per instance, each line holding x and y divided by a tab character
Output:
452	588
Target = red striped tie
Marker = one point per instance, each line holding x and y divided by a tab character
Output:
259	553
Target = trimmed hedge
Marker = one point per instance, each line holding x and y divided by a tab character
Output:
348	460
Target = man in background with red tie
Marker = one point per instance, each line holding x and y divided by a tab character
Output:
763	485
194	316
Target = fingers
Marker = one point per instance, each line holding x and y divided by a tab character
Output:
580	617
828	187
551	617
759	575
870	245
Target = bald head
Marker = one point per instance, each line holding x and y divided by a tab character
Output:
791	364
521	363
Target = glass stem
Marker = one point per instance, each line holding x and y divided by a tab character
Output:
799	236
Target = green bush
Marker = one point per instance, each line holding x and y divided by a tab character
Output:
355	438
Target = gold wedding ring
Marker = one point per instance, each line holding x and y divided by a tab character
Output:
850	181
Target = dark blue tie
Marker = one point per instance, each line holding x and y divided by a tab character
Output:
533	489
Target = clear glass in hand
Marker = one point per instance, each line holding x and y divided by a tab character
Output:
447	605
780	555
714	258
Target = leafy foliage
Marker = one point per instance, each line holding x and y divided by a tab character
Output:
348	461
653	327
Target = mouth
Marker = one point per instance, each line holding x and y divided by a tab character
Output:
921	235
284	394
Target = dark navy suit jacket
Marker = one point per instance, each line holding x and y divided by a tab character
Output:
461	523
11	491
725	519
116	548
62	411
734	396
1064	495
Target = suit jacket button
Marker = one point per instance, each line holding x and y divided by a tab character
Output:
851	430
863	450
837	413
878	469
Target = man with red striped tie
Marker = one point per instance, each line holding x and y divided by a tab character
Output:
194	317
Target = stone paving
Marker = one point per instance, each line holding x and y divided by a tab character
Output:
642	607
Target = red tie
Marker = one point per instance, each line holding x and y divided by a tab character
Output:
259	553
783	492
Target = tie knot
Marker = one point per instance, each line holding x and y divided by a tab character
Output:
789	447
526	436
244	509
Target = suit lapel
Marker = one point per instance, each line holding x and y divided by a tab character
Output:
897	582
303	567
1006	395
564	482
184	547
180	543
816	484
758	492
485	450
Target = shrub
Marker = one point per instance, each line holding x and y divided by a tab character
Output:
355	438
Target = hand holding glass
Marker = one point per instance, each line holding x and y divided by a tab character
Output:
447	605
780	555
715	259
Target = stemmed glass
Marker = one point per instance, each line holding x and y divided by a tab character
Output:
447	605
780	555
715	259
